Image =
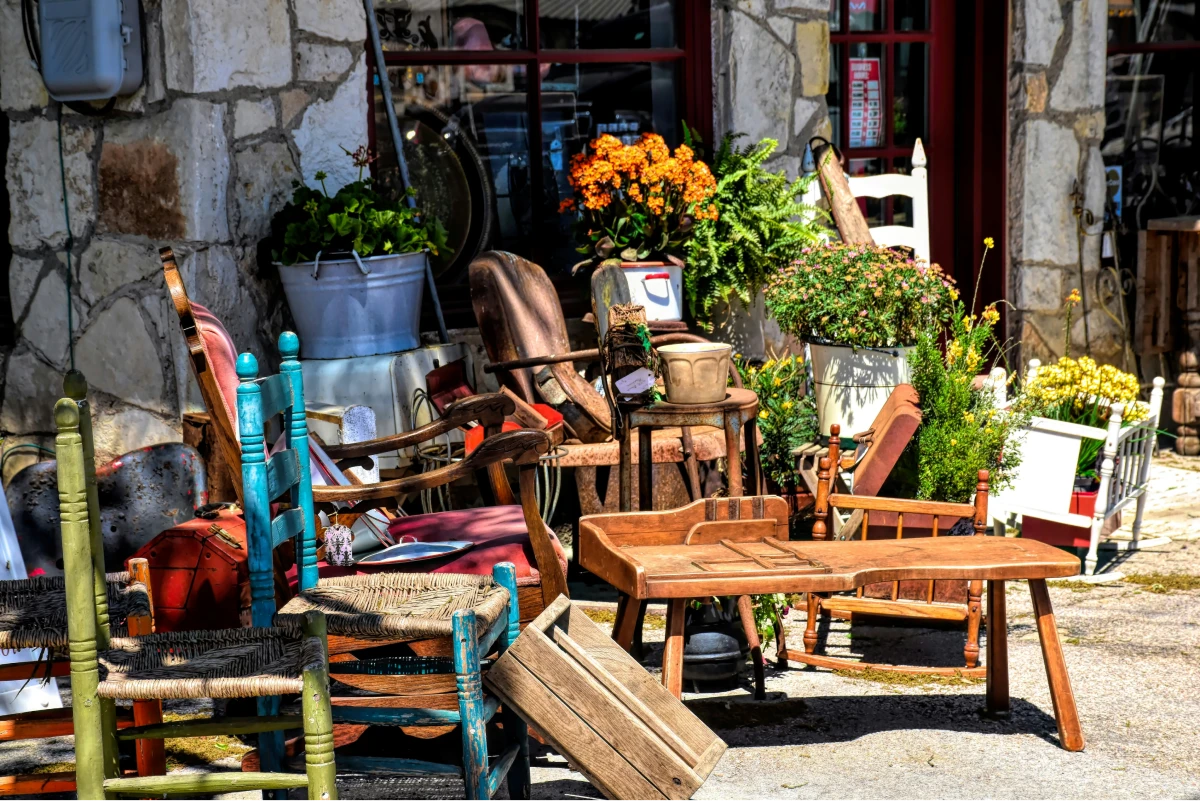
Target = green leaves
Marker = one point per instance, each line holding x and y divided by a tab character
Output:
762	227
356	218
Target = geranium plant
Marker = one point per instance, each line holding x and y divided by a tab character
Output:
355	218
858	295
639	200
762	227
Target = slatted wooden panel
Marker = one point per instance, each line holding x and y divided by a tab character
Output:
1155	291
601	709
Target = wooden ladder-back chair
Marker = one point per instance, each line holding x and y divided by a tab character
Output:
525	334
234	663
470	614
34	615
909	600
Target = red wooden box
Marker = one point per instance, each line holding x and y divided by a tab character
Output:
1051	533
199	575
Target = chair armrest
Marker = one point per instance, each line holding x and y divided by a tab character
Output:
355	424
488	410
539	361
523	446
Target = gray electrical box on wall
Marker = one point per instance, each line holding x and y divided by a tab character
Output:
91	49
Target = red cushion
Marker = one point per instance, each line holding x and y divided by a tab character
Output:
221	355
498	532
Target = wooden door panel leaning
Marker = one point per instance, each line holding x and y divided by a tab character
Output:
712	548
601	709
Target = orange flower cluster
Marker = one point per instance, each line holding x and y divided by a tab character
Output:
644	173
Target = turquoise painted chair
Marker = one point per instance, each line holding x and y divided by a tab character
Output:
474	615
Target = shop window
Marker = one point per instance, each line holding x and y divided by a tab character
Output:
494	98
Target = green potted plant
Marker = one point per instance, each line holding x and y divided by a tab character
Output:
762	227
352	265
640	203
861	309
787	416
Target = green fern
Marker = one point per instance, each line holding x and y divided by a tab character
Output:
761	228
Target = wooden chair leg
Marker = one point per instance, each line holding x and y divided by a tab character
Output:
626	621
810	628
997	652
672	669
318	720
690	465
515	730
1070	733
781	660
974	615
470	704
746	612
151	754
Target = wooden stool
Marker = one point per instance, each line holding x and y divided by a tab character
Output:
736	414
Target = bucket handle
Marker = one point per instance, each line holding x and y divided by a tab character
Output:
357	259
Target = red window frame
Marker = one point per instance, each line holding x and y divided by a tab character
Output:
693	54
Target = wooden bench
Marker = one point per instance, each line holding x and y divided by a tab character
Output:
740	546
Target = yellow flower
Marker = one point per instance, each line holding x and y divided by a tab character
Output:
989	243
787	405
778	381
763	415
970	418
1074	297
953	442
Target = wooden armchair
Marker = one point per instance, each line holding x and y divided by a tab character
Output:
896	518
525	334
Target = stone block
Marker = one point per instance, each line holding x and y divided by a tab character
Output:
1043	27
762	72
820	6
215	45
31	388
23	276
165	177
121	356
1102	334
320	62
1036	91
120	431
1039	288
35	189
755	8
343	20
45	326
291	103
21	86
1034	344
1051	168
812	53
806	114
329	126
252	117
109	264
784	28
1080	82
264	184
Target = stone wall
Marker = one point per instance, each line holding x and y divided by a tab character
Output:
240	99
771	72
1056	121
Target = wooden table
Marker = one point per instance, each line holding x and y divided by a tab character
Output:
737	414
740	546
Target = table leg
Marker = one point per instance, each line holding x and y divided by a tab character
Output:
813	604
672	670
645	470
753	463
625	477
1070	734
689	461
746	611
997	651
733	455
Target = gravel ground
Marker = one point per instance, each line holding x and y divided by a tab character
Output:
1131	648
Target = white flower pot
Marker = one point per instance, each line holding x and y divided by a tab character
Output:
852	385
657	286
343	311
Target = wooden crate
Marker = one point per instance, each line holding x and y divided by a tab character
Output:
601	710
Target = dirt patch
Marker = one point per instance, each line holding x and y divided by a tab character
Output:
607	617
909	679
1164	582
139	191
192	751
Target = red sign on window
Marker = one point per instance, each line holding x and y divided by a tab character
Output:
866	103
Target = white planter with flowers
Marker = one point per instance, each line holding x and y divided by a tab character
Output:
852	384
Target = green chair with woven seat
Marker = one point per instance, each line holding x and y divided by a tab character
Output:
236	663
471	616
33	615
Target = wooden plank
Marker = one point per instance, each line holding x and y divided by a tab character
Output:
448	700
604	767
283	471
286	525
838	663
1174	224
211	727
843	208
1152	317
37	784
523	413
24	671
841	605
629	736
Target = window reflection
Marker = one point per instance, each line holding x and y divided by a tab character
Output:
450	25
585	24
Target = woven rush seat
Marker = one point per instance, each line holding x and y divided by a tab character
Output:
33	612
231	663
391	606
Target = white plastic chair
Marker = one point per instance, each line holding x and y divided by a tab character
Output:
914	186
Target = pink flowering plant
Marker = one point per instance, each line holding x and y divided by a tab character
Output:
858	295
